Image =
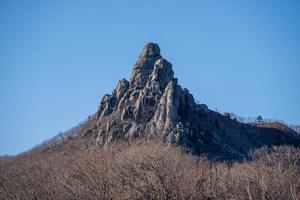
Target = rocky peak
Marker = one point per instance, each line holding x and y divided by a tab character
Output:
150	103
150	50
153	104
145	65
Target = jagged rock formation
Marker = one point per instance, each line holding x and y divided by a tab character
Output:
153	105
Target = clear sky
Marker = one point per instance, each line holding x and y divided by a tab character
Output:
58	58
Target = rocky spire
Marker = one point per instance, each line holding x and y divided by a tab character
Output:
150	50
150	104
145	64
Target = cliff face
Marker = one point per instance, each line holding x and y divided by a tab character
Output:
153	105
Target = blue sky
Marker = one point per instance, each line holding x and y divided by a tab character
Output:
58	58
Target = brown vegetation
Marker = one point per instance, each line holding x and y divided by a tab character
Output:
275	125
150	170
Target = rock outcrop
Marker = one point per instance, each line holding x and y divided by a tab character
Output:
153	105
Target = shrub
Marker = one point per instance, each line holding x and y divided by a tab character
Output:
150	170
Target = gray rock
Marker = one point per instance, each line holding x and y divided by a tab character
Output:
149	104
150	50
144	65
122	87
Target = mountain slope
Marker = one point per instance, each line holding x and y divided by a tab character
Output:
153	105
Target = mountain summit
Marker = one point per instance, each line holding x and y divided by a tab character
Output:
153	105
